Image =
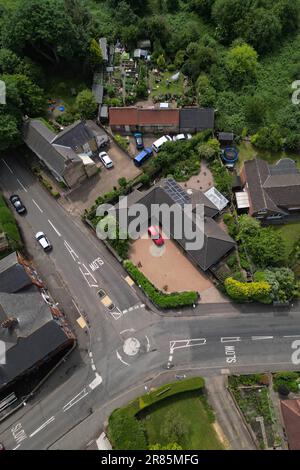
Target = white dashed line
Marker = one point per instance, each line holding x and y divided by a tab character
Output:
34	202
15	448
292	336
7	165
93	367
257	338
54	228
22	185
50	420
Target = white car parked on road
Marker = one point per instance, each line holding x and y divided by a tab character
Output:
43	241
106	160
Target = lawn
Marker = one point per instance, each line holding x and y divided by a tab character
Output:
290	233
163	88
193	411
248	152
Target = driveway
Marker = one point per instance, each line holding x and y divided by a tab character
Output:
84	197
169	269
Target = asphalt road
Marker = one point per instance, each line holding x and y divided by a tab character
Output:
130	344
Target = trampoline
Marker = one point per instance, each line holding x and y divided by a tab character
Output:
230	155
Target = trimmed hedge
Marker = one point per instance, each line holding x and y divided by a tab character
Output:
161	300
126	432
166	391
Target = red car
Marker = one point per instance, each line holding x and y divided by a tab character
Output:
155	235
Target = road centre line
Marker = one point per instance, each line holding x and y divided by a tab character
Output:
257	338
291	336
22	185
34	202
6	164
50	420
54	228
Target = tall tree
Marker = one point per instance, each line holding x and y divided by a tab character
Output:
46	30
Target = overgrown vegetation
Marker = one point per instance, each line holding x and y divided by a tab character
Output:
9	226
251	393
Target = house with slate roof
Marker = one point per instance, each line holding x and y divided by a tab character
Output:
33	331
216	243
61	153
273	190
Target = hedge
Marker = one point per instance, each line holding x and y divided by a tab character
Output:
126	432
161	300
248	291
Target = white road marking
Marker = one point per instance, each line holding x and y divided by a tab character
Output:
71	251
22	185
75	399
230	339
96	382
230	354
292	336
15	448
125	311
34	202
54	228
93	367
125	331
50	420
120	359
6	164
148	343
170	358
18	433
257	338
186	343
96	264
88	274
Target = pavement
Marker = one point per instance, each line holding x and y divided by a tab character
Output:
120	350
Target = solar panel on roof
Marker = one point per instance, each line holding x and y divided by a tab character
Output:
176	192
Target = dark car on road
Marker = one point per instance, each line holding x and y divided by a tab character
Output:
17	203
139	140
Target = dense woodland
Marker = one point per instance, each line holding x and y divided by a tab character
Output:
241	56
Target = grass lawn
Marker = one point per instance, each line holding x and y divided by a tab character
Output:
192	409
248	152
162	88
290	233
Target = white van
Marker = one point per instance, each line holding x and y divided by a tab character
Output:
160	142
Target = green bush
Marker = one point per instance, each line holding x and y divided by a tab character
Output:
125	431
121	141
248	291
160	299
288	379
